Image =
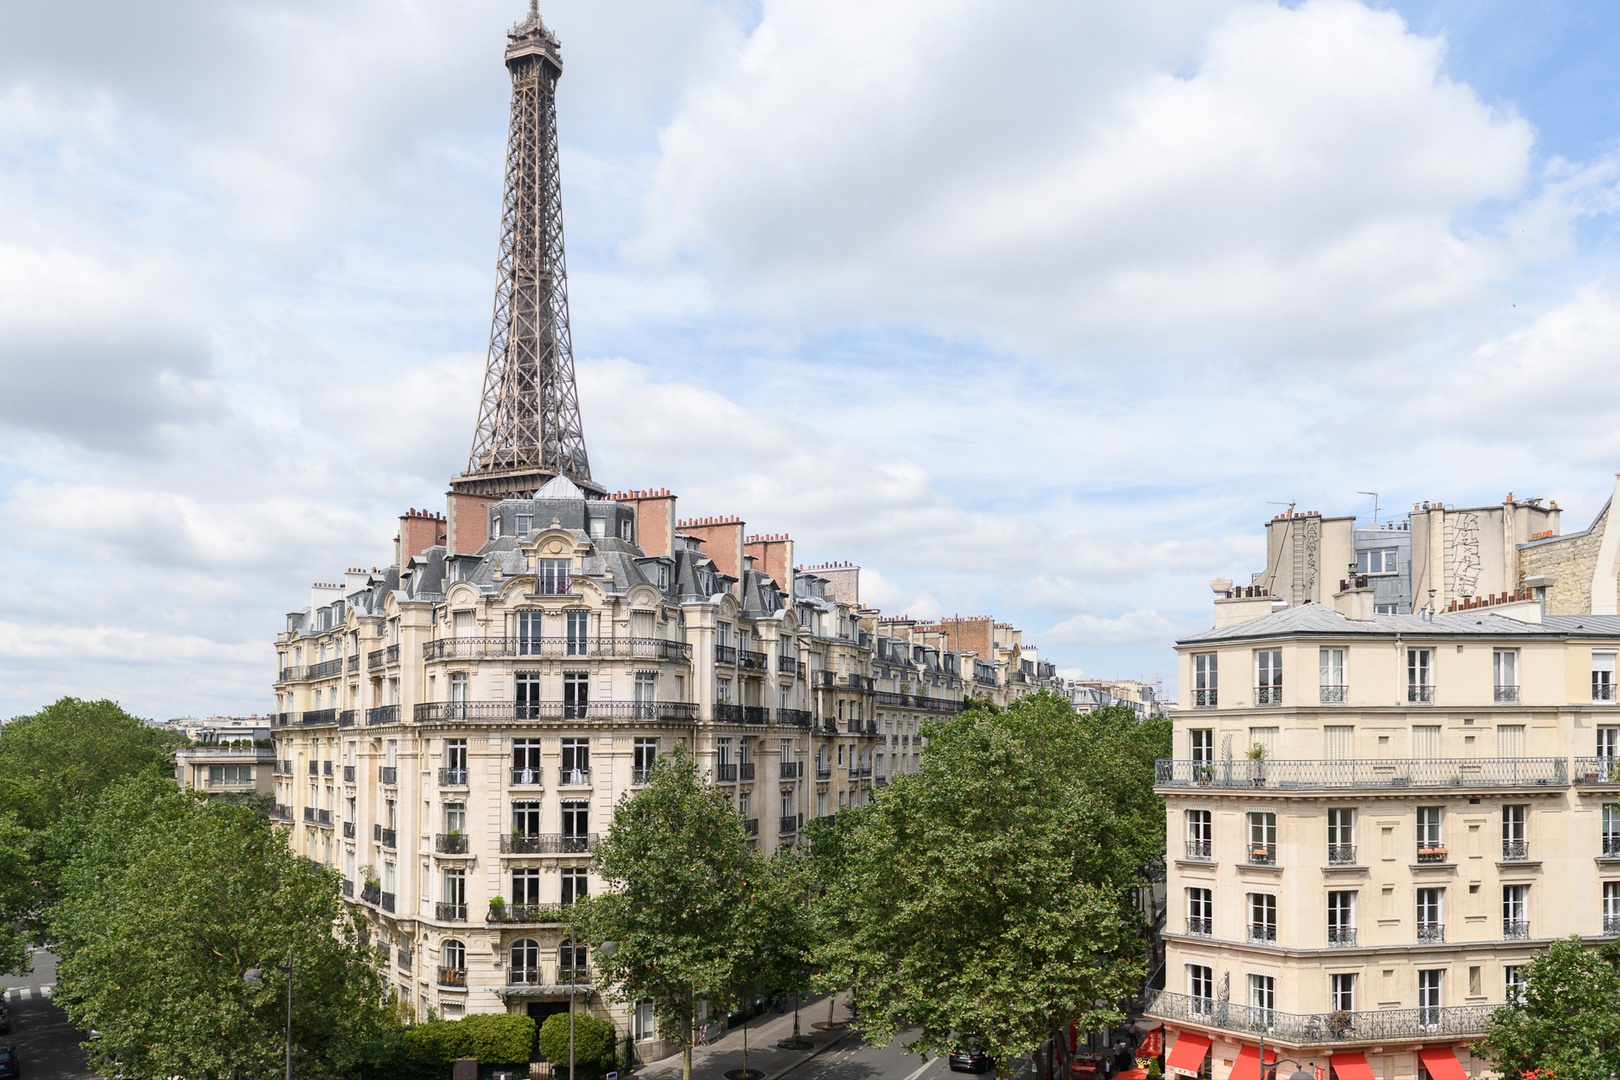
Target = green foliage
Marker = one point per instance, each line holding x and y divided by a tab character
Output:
774	933
491	1038
991	892
594	1042
1566	1022
678	869
18	895
73	750
167	899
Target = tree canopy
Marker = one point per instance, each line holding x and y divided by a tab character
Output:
989	896
1566	1019
72	750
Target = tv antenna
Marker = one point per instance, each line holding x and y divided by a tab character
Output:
1290	505
1374	495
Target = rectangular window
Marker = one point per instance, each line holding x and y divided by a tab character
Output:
526	818
576	694
1338	742
1378	561
1200	912
455	817
526	886
646	756
1386	609
529	633
1266	739
1603	674
1516	912
1341	836
576	884
1429	997
1263	918
1509	740
455	756
646	691
525	761
527	684
1611	830
1608	741
722	694
576	822
576	639
1505	671
1330	669
1201	988
1342	994
453	889
1426	741
576	760
525	525
1430	847
1420	675
642	1023
1268	677
1512	982
1263	838
1430	918
1202	744
1611	907
1200	835
1205	681
552	576
1341	918
1262	997
1515	821
458	687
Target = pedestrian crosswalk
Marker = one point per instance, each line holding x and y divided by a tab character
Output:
23	993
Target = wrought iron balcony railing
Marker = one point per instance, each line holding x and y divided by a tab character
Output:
1335	695
1431	932
1597	770
451	912
1262	934
753	661
1370	773
1262	854
450	843
1317	1029
386	837
1206	699
522	648
1419	695
1515	851
725	654
751	826
1516	929
382	714
788	824
348	774
1611	924
346	718
790	770
1342	937
1268	695
1200	927
388	774
348	830
639	775
1602	691
453	777
745	770
318	717
386	901
382	657
476	712
452	976
756	714
523	776
1341	854
1432	852
1506	695
793	717
528	913
787	665
1202	850
371	894
548	843
725	773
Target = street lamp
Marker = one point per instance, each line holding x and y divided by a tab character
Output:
255	977
604	949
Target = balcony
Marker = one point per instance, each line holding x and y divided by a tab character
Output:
314	768
1262	854
788	825
309	814
1200	850
1611	924
1368	773
1515	851
318	717
453	777
505	712
348	774
346	718
1431	853
1312	1030
1597	770
1515	929
326	768
584	648
1602	691
1200	927
751	826
1335	695
1262	934
1431	933
1341	854
787	665
1611	846
745	771
385	837
382	658
451	912
348	889
822	678
725	654
756	714
790	770
526	777
1342	937
1506	695
382	714
371	894
388	774
1206	699
725	773
1268	695
640	775
404	957
326	669
354	663
1419	695
727	713
568	777
823	772
528	913
548	843
452	976
348	830
793	717
323	818
450	843
386	901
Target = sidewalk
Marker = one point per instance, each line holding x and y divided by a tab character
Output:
764	1032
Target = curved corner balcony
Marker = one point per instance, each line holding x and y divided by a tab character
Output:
562	648
1316	1030
1367	773
508	712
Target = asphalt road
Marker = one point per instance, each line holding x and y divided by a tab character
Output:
47	1045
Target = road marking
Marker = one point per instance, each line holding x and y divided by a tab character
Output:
45	991
923	1067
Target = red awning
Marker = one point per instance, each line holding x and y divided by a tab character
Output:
1442	1063
1248	1063
1352	1067
1188	1053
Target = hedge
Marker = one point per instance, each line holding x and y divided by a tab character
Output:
492	1038
594	1041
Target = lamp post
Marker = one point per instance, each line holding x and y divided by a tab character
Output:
1302	1074
604	949
255	977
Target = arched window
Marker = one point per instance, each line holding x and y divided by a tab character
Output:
525	969
571	966
452	963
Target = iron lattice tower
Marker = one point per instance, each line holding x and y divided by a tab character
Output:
528	420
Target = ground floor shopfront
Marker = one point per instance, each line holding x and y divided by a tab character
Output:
1219	1055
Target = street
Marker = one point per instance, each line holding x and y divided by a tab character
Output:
47	1045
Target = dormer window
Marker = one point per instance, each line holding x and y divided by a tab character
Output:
525	525
553	576
663	575
598	528
494	526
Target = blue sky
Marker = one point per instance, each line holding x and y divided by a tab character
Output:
1034	309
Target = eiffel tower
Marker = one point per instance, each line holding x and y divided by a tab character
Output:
528	420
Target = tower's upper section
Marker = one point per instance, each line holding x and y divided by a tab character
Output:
528	419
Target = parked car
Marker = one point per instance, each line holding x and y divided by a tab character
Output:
970	1059
10	1067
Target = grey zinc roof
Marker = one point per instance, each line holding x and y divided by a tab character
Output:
1321	619
1584	625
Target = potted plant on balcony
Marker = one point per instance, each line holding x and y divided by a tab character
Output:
497	909
1339	1023
1257	754
1432	854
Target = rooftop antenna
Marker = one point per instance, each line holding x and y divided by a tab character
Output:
1290	505
1374	495
534	10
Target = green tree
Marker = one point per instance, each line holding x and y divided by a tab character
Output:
1566	1021
594	1043
991	894
169	899
773	934
73	750
18	894
491	1038
678	867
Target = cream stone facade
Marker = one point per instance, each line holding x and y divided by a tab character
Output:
1374	821
215	768
454	732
